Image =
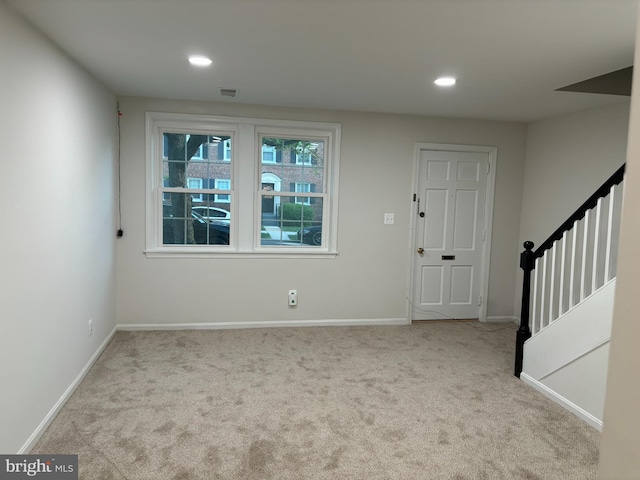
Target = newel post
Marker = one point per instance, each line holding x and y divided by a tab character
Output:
527	263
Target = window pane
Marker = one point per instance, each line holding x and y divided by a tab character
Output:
196	161
222	184
185	223
296	161
285	222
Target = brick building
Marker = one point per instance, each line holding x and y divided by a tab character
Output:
295	166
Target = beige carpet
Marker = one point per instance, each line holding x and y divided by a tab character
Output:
428	401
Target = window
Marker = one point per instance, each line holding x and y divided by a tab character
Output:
188	180
195	184
268	154
304	158
222	184
242	201
302	188
227	150
284	215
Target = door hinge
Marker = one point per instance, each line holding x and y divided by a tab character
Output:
480	301
414	197
488	168
484	235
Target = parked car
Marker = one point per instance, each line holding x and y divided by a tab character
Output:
205	232
212	213
310	235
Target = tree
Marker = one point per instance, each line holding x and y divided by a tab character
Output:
300	147
180	149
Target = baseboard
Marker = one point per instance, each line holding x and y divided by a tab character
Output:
39	431
502	319
264	324
559	399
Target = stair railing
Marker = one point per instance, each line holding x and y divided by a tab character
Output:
575	261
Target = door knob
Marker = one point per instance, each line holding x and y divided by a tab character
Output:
421	251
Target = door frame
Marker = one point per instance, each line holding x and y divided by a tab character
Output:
492	152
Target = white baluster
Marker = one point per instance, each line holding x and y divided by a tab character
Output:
596	245
542	290
552	281
607	258
585	238
563	256
534	319
572	274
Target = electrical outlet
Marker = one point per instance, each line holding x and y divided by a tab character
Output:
293	298
389	218
90	326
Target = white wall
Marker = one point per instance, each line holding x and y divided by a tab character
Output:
619	457
57	240
368	280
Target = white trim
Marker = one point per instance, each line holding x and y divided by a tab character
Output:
560	400
265	324
264	253
492	157
39	431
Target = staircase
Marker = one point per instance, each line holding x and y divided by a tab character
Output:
562	344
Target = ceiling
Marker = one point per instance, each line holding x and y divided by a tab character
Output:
366	55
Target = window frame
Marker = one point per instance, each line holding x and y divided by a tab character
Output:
245	191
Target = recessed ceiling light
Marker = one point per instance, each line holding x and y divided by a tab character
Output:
445	81
200	61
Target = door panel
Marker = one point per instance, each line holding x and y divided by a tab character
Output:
468	171
461	284
452	195
433	283
436	206
464	228
438	170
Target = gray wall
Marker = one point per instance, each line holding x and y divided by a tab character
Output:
619	457
57	246
567	159
368	280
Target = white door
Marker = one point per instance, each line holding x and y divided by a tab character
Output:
450	209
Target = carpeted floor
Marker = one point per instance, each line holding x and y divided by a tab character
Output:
427	401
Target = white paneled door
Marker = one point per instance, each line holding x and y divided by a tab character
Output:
450	231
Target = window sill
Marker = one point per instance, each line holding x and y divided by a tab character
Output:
255	254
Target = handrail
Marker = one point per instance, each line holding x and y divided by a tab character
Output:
602	191
528	257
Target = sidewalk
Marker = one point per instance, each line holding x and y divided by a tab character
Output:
277	234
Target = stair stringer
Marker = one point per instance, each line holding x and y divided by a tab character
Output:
568	360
